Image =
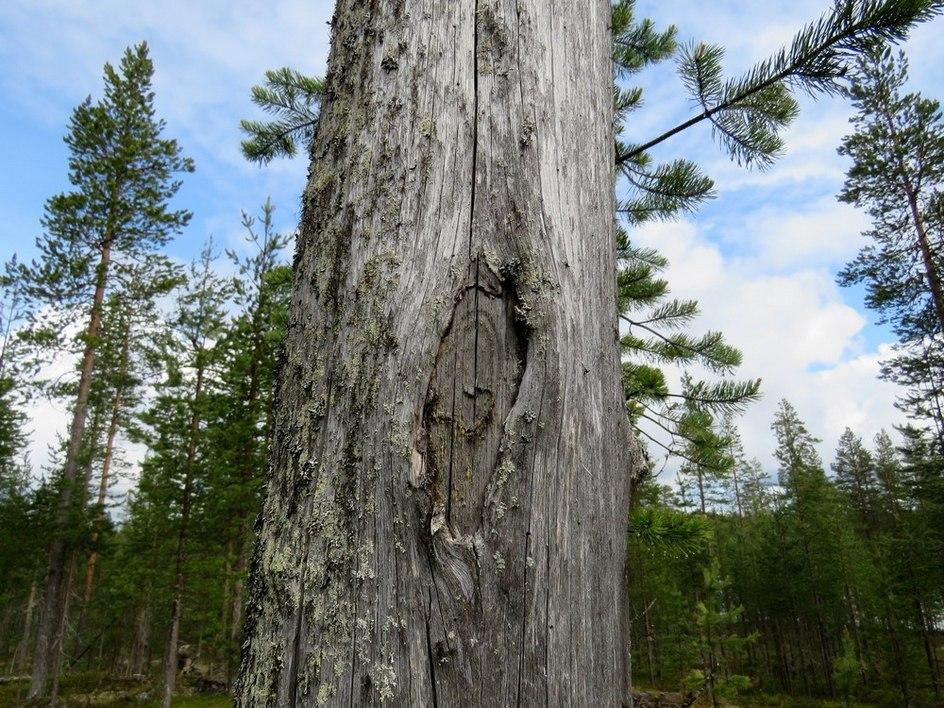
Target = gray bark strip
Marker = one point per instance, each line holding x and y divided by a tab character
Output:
444	522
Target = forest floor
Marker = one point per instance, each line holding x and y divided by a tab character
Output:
104	691
655	698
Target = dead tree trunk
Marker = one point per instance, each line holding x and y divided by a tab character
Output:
139	662
445	521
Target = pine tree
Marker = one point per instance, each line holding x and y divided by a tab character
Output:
122	173
12	383
19	529
127	359
294	100
856	478
809	511
717	639
918	545
897	152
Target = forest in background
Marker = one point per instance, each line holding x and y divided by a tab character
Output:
792	576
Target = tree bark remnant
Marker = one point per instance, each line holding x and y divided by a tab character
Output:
445	517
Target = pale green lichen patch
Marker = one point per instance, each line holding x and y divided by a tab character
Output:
385	681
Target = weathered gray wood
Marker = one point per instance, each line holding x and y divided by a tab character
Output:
445	516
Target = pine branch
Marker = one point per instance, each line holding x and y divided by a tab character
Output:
816	60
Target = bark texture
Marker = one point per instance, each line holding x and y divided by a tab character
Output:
445	515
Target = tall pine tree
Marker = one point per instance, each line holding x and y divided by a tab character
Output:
123	173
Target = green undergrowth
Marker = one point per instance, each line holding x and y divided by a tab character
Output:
105	691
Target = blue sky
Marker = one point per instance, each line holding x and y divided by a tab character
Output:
761	258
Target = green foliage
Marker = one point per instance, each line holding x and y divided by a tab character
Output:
812	588
13	438
897	172
849	669
293	100
123	174
654	338
748	113
656	191
668	532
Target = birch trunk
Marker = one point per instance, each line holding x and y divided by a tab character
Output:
450	471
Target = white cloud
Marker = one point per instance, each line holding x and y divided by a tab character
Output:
823	233
794	329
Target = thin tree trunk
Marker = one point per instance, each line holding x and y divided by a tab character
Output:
227	591
239	585
21	653
737	492
113	425
170	654
701	488
929	651
924	242
92	437
54	615
927	256
649	647
445	521
62	628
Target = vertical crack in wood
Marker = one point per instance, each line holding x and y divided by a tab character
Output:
527	550
452	435
475	119
475	361
430	657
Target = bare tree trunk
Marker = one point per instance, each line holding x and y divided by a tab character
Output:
140	647
21	653
170	653
54	615
89	454
445	521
